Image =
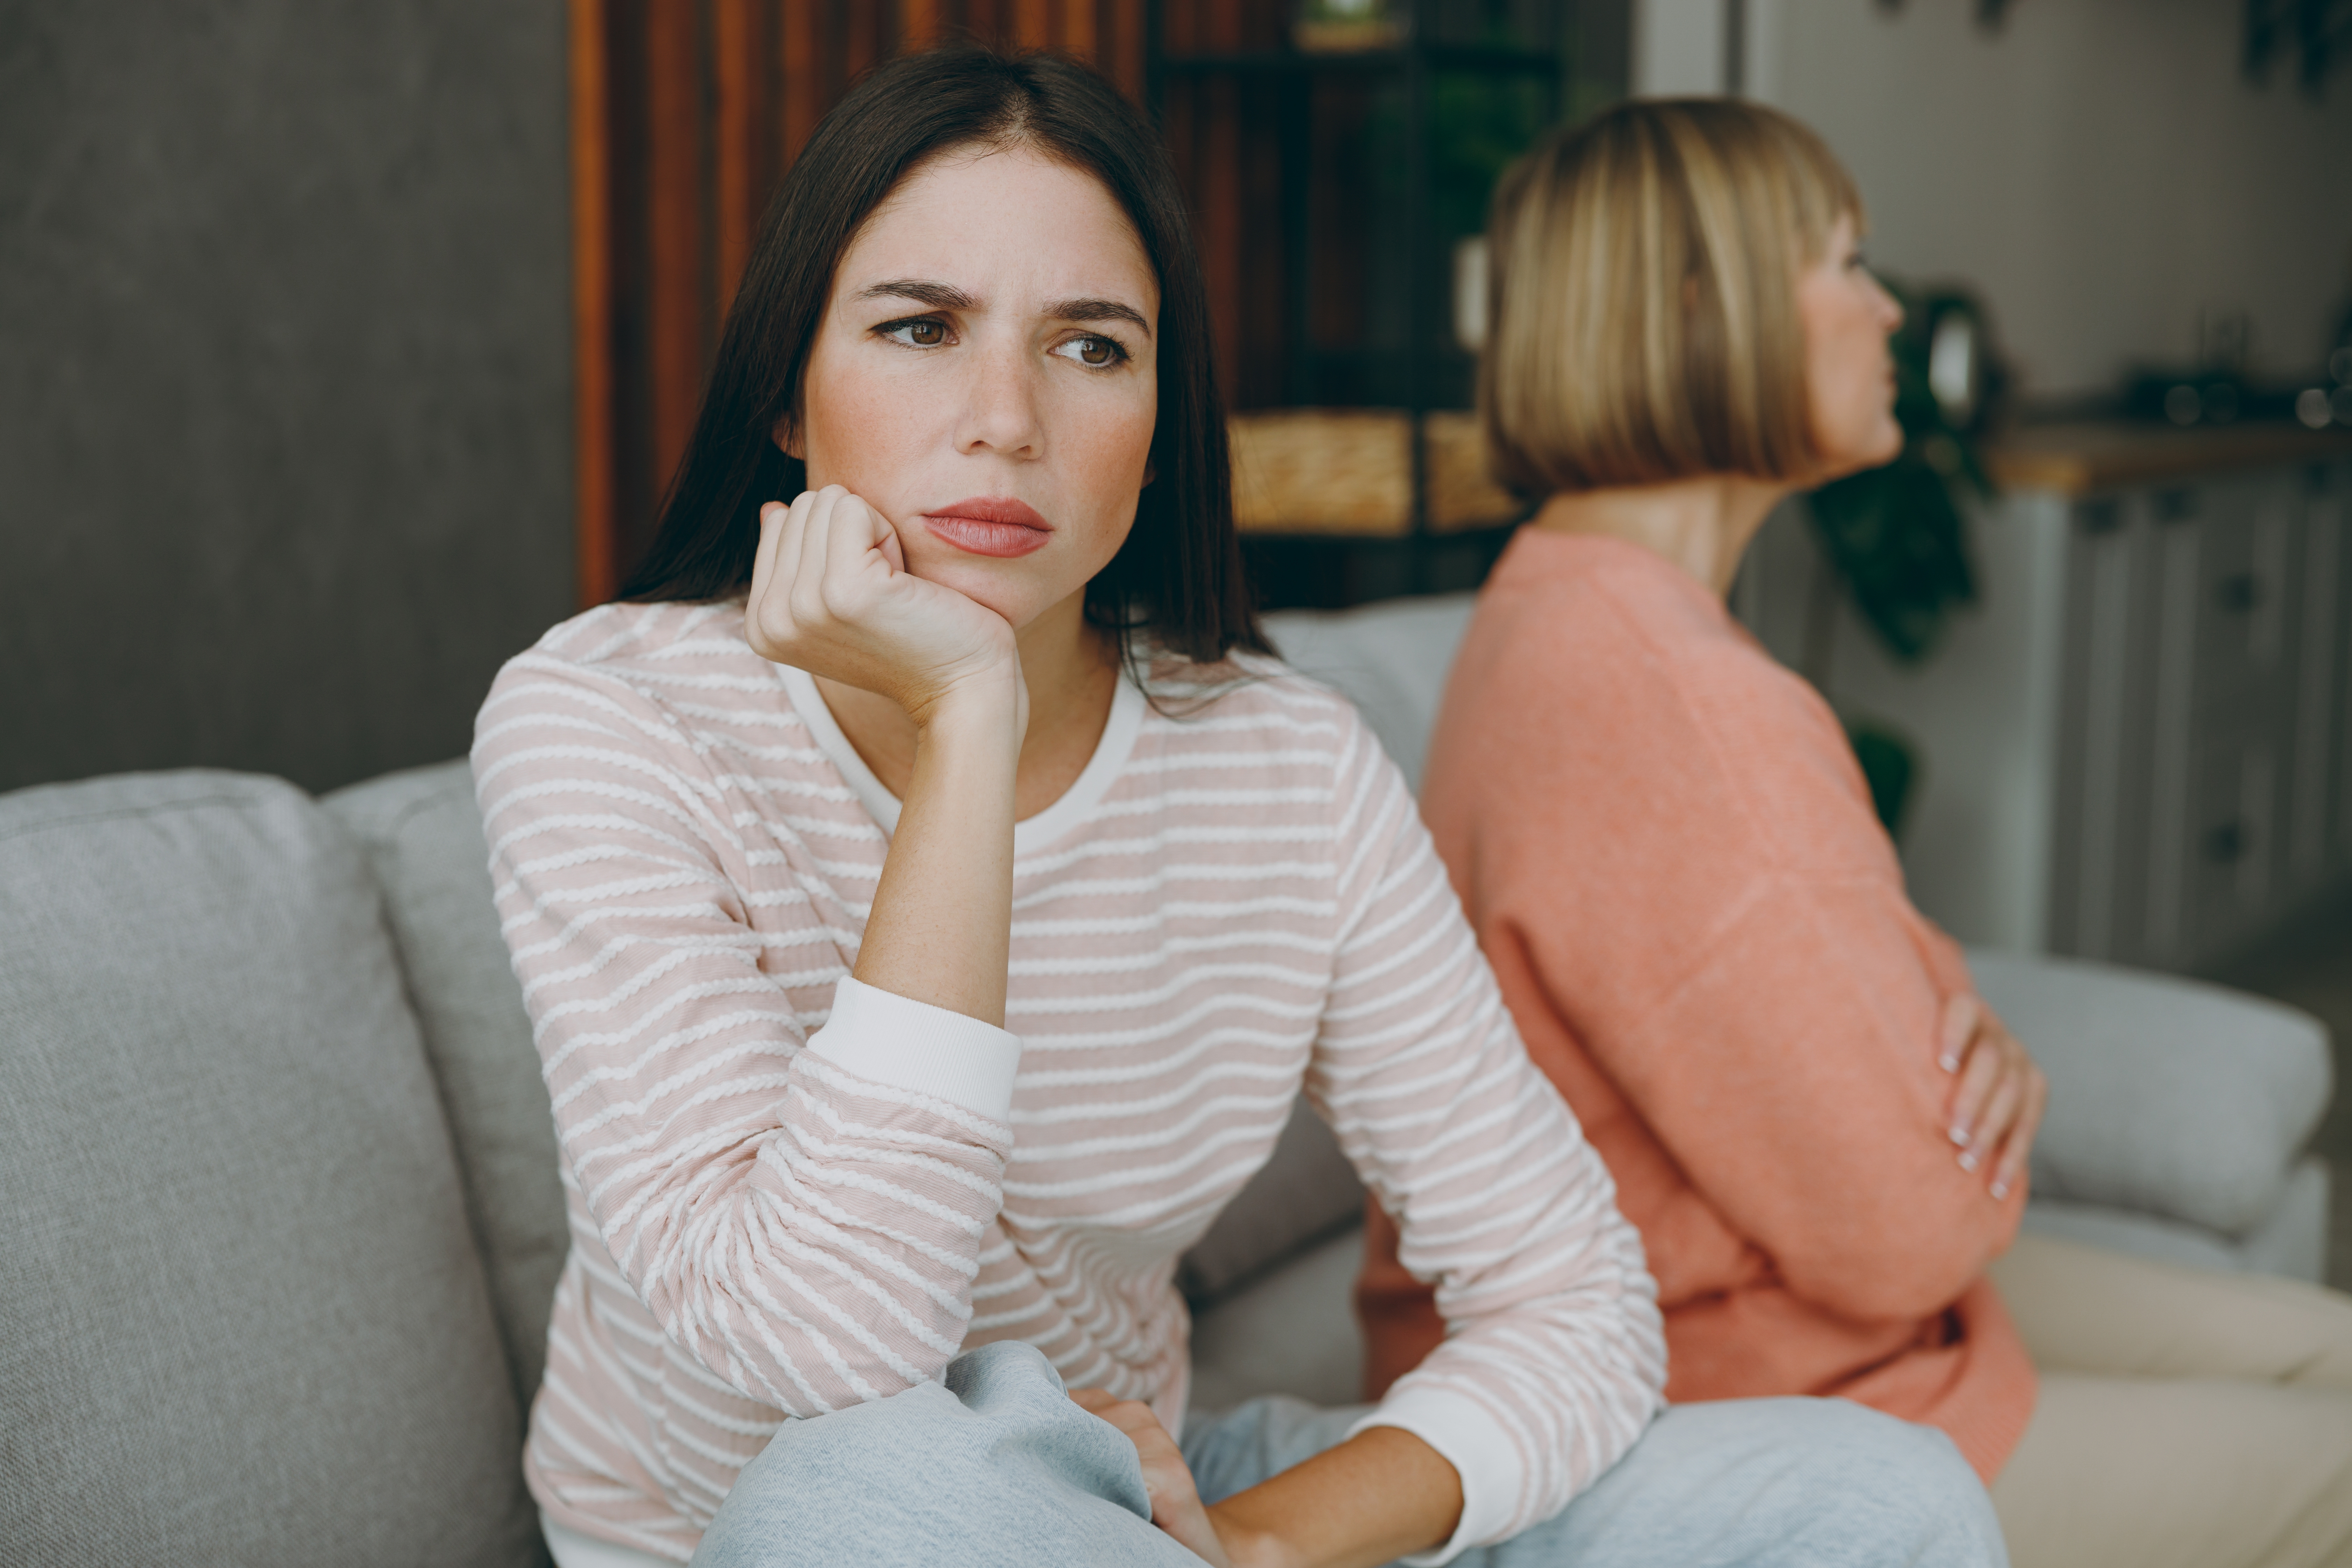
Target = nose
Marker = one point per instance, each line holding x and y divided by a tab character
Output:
1890	309
1001	404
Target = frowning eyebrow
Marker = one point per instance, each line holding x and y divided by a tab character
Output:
948	297
1097	311
937	296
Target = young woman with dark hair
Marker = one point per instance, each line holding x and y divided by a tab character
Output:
913	989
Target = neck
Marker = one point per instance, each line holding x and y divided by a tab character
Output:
1071	667
1072	671
1701	525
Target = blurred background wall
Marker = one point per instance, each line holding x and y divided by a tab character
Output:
285	379
2107	173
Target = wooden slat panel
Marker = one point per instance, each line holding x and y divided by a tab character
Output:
742	71
1118	51
804	98
1074	28
919	25
592	304
864	30
677	270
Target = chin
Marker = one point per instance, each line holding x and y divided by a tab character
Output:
1881	448
1014	589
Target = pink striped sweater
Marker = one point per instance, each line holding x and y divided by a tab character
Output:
791	1193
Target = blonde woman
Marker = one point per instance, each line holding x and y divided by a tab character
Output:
1672	862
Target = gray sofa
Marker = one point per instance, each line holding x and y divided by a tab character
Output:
279	1179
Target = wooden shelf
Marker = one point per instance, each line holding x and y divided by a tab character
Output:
2080	458
1348	473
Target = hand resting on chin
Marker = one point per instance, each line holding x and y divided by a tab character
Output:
831	595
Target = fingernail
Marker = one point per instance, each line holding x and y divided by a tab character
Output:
2001	1189
1948	1063
1960	1133
1967	1159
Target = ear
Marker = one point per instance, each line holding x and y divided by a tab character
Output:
787	437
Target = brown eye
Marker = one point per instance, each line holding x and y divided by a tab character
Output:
1093	351
928	334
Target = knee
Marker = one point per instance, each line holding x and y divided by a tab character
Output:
1004	1456
1903	1485
1831	1482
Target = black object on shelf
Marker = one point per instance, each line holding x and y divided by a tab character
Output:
1896	534
2208	397
1437	59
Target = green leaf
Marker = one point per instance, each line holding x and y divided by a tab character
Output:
1889	765
1896	536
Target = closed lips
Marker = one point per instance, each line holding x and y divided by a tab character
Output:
990	525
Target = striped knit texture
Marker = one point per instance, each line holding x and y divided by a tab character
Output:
757	1234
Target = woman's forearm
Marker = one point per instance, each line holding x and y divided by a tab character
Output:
940	929
1374	1497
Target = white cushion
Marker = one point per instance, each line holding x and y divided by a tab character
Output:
2291	1242
1391	659
2172	1097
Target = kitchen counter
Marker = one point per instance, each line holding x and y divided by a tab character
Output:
2078	459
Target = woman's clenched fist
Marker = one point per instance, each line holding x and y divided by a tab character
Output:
831	595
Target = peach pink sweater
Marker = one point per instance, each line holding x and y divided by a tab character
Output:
1671	858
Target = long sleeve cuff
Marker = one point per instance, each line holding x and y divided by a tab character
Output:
1481	1452
910	1045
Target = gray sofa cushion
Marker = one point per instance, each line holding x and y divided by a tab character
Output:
1390	659
1292	1330
2292	1241
1304	1192
423	838
2167	1095
241	1320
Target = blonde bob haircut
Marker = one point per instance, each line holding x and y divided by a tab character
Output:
1643	280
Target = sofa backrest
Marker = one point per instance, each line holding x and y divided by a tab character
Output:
423	838
1391	659
241	1318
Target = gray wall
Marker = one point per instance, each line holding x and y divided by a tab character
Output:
284	441
2102	170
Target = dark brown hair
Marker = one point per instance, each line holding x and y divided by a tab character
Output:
1178	578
